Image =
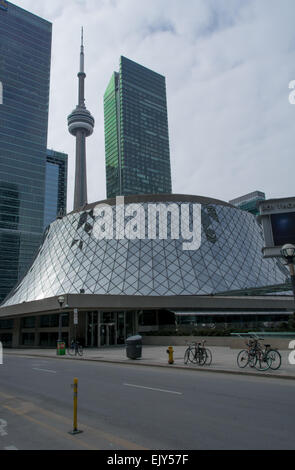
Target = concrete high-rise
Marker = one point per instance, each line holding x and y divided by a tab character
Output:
136	132
25	55
81	125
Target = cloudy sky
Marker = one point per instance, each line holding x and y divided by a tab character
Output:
228	65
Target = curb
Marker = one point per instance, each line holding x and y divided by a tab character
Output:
167	366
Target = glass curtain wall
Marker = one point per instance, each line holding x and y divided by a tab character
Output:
25	54
136	132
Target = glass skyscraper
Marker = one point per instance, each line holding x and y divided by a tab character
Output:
249	202
25	54
55	186
136	132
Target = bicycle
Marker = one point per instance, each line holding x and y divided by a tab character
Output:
261	359
256	356
198	354
75	349
247	356
267	355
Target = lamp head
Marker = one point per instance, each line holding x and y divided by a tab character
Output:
288	252
61	300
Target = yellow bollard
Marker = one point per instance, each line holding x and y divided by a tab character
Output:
170	352
75	424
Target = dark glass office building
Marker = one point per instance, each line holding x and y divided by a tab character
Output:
136	132
249	202
55	186
25	53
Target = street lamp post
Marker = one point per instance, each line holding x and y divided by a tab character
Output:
61	300
288	253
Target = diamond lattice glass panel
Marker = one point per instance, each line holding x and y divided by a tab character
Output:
75	255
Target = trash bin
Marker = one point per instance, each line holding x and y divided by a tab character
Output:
61	348
134	347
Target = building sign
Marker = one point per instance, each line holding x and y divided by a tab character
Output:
283	228
76	319
268	208
277	217
3	5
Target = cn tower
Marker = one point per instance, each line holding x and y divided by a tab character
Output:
81	125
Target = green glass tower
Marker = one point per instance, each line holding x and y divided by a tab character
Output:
249	202
136	132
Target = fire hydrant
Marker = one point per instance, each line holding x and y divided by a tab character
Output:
170	352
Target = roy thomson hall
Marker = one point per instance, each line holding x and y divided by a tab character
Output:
125	279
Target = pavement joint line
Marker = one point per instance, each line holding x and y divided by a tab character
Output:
168	366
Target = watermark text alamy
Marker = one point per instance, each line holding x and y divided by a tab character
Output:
151	221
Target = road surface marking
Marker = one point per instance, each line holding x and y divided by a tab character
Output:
118	441
39	365
23	408
10	448
47	426
4	395
154	389
45	370
3	424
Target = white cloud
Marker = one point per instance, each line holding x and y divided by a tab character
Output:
228	64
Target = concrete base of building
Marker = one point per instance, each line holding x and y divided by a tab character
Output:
219	341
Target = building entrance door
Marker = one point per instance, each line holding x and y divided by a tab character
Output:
92	329
109	328
108	335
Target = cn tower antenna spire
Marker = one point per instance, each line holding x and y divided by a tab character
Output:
81	125
82	52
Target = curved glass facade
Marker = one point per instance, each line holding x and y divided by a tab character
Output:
72	259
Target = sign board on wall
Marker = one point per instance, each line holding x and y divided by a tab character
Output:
277	217
76	318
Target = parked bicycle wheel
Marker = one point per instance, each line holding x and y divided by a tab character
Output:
208	357
263	361
276	359
71	350
188	355
252	358
243	358
199	356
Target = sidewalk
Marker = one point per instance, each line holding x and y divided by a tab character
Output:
223	359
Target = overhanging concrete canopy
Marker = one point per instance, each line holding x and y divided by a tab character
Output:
85	302
179	314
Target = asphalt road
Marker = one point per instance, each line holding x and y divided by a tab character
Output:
123	407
